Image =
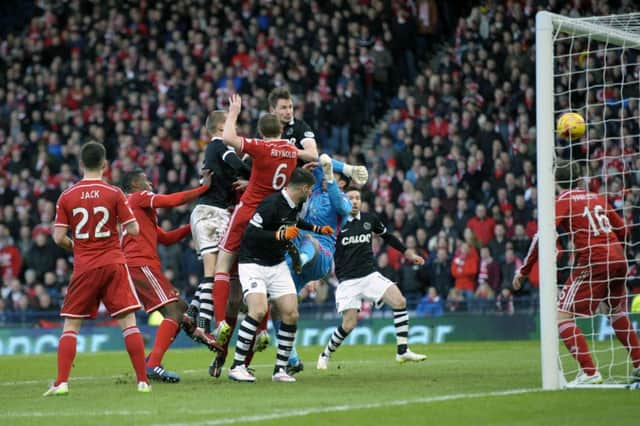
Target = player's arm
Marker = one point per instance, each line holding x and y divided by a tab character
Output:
125	215
61	239
324	230
359	174
309	151
229	135
528	264
232	160
617	224
61	226
171	237
393	241
162	201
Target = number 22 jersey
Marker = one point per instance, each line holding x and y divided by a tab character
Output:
91	209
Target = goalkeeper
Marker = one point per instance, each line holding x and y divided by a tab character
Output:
310	258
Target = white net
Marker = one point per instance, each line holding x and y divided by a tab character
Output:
597	75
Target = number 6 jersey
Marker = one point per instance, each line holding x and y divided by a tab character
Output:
91	210
594	227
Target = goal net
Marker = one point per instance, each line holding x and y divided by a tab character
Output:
591	67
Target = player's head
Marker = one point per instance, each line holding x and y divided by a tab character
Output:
269	126
300	184
567	174
281	104
135	181
93	157
215	123
356	199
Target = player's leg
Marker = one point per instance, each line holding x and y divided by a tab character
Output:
349	322
80	302
135	347
121	301
348	301
255	290
618	300
394	298
282	291
205	311
576	297
173	313
66	354
233	308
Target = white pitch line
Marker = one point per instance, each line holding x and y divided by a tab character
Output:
338	408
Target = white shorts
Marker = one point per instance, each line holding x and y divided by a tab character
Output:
208	224
350	293
274	281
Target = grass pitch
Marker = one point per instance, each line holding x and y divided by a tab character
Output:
490	383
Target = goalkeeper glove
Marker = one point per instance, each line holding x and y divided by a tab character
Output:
359	174
287	232
324	230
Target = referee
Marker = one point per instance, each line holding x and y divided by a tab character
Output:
264	273
359	280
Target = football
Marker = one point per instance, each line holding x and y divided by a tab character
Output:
571	125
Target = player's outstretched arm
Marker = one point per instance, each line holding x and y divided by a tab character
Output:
167	238
324	230
309	151
61	239
359	174
229	135
176	199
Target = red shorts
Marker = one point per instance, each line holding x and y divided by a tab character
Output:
110	284
237	224
588	286
153	288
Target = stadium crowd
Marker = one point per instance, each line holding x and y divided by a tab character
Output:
452	164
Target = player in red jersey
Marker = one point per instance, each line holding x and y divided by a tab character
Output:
91	211
153	287
599	275
274	160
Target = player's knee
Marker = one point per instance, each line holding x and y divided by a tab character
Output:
348	323
399	302
291	316
174	310
258	312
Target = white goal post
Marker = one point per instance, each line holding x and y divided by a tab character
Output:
620	32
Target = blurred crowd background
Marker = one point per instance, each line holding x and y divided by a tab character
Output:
436	97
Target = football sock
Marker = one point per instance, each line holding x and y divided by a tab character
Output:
66	355
401	323
286	335
246	334
627	336
307	251
576	343
164	337
336	340
135	346
206	304
220	296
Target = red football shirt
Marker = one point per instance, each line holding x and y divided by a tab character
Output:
92	209
594	227
273	164
142	250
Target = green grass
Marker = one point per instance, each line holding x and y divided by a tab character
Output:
490	383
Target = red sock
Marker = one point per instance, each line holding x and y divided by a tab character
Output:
66	355
164	337
575	341
627	336
220	295
135	346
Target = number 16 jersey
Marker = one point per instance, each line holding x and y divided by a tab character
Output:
91	210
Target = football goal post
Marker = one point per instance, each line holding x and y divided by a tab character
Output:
590	66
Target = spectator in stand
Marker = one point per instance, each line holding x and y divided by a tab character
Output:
482	225
437	271
498	245
464	270
431	304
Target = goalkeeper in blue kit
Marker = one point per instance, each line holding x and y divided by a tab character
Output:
311	256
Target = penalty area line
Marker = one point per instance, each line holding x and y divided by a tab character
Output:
341	408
